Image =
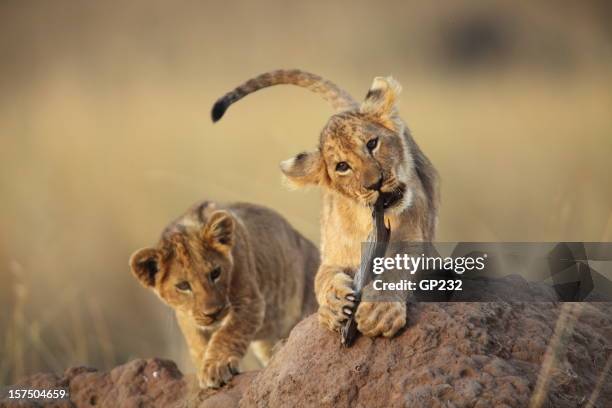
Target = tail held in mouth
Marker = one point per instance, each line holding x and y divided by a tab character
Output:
337	97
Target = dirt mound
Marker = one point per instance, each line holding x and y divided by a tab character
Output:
139	383
450	355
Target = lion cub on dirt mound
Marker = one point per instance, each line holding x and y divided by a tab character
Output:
365	153
235	274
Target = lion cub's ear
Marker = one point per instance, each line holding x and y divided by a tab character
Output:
381	103
145	265
304	169
219	231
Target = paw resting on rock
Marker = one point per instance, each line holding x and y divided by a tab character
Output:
380	318
217	372
338	301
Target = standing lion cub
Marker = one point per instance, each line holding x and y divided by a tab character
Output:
234	274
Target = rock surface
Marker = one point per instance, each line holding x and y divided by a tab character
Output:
139	383
450	355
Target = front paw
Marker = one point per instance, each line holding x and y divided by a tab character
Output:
337	302
380	318
217	372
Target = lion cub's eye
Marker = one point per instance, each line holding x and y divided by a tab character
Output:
215	274
372	143
183	286
342	167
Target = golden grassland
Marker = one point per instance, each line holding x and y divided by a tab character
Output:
106	141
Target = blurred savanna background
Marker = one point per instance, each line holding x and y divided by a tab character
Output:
106	137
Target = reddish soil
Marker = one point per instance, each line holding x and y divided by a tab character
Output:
450	355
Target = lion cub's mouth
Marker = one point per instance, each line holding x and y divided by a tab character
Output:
393	198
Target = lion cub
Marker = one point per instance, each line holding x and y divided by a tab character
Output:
365	153
234	274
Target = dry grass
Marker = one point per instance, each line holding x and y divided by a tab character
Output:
69	332
106	137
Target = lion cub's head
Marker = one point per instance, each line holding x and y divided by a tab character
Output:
191	267
362	153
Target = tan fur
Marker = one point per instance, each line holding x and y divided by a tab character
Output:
404	172
337	97
264	284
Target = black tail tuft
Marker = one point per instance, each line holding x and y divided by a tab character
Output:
219	109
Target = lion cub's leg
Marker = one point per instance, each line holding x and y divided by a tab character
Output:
335	294
197	340
229	344
263	350
380	318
